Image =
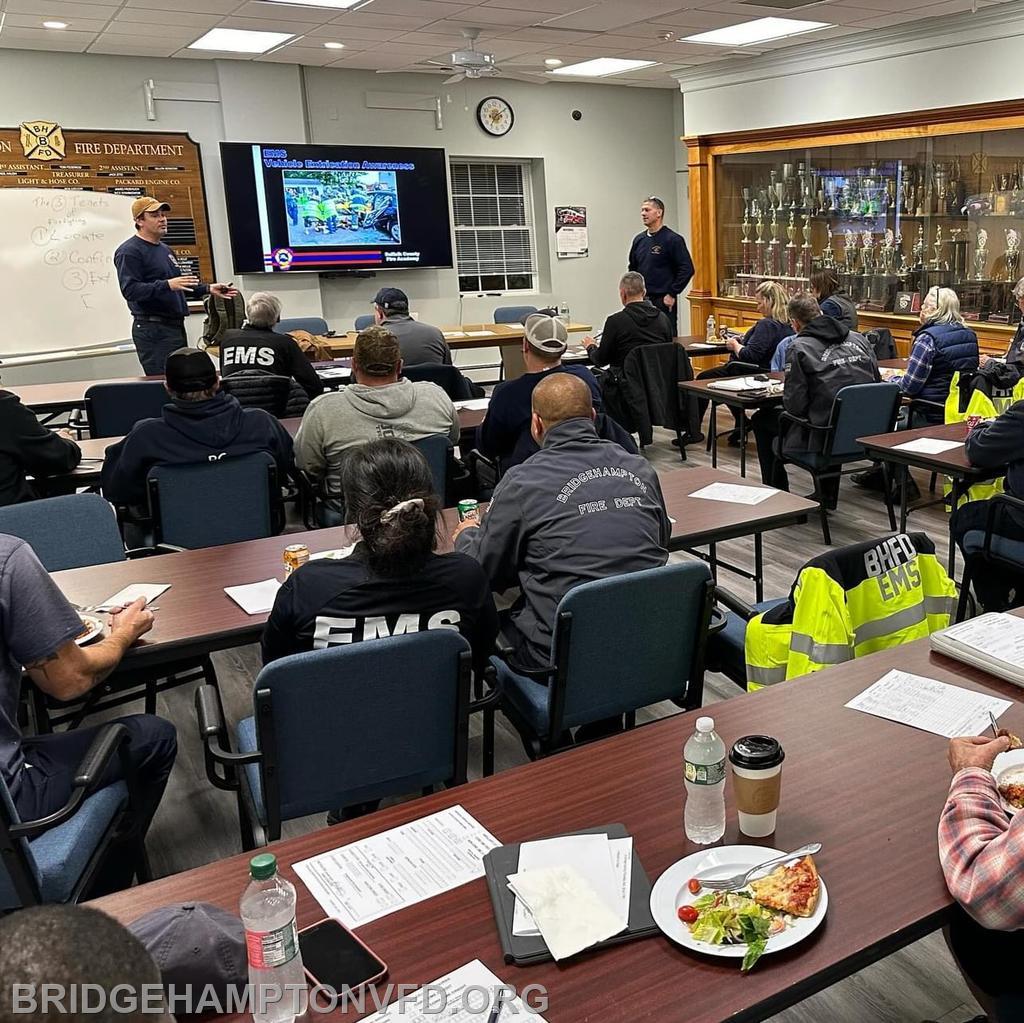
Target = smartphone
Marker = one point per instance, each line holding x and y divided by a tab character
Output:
335	958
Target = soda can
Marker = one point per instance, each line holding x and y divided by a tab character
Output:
295	556
468	509
972	422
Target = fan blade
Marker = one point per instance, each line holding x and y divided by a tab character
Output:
439	63
454	78
411	71
520	77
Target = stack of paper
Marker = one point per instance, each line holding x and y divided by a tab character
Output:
734	493
472	405
255	598
740	384
132	593
572	891
929	445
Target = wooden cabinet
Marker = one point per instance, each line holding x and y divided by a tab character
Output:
894	205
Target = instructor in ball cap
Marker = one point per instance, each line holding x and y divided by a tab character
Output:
156	290
661	256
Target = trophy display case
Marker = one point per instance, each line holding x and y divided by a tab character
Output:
912	202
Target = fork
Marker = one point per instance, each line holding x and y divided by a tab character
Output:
726	884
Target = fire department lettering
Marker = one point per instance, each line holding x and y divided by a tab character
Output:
240	355
341	631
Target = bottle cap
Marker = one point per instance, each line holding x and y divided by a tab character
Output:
263	866
705	724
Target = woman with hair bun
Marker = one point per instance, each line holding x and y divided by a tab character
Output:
392	582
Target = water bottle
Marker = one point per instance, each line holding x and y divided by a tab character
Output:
276	979
710	330
563	313
704	761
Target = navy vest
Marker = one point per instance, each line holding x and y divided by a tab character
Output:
956	350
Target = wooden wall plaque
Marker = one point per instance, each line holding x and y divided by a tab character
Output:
167	165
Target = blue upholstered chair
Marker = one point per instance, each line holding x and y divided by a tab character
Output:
438	452
513	313
988	545
45	526
661	618
205	504
113	409
860	410
448	378
52	860
364	321
310	324
343	725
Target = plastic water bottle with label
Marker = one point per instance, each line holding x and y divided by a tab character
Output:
277	980
563	313
710	330
704	765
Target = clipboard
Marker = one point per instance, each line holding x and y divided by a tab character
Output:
526	950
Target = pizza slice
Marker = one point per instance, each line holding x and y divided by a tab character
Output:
792	889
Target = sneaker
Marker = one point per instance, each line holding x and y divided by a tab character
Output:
870	479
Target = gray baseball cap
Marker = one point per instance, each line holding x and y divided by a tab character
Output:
546	335
195	943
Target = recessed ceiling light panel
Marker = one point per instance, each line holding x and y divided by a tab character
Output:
601	67
758	31
55	24
335	46
237	40
552	61
337	5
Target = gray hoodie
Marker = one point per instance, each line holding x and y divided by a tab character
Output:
359	413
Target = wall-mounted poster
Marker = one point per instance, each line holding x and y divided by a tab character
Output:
572	239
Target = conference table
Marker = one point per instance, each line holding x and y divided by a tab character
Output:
197	617
953	462
870	790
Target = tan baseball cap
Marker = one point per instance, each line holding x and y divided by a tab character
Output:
147	204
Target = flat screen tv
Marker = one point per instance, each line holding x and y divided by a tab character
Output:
330	209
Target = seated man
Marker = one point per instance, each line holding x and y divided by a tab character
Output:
27	448
419	342
992	446
377	405
37	633
580	509
200	424
637	323
76	953
980	853
505	431
822	358
258	346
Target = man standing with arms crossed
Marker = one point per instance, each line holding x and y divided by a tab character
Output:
662	257
155	288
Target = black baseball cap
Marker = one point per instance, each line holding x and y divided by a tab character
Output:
189	369
392	298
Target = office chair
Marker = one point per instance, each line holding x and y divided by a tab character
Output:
310	324
113	409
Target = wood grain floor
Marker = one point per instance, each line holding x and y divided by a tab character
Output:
197	823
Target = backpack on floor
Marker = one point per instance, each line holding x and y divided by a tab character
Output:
221	314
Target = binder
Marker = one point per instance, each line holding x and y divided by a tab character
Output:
526	950
993	642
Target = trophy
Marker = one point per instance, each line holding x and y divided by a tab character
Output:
980	255
772	269
791	247
805	249
919	248
937	245
747	245
850	251
1012	254
887	254
867	256
828	257
958	264
759	244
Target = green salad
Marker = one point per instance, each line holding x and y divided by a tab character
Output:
733	918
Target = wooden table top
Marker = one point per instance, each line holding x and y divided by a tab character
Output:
196	616
703	389
951	463
869	789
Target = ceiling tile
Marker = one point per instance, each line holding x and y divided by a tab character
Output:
428	10
284	12
108	43
165	19
190	6
36	21
58	9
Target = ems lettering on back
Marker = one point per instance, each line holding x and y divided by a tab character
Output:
329	631
893	563
248	355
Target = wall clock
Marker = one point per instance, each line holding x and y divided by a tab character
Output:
495	115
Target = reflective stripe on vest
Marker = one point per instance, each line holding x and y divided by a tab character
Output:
820	653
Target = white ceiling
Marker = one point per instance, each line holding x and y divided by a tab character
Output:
400	34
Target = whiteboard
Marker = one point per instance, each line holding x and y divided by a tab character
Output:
58	285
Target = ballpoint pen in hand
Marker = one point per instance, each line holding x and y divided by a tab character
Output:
995	726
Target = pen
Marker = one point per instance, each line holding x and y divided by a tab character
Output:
496	1008
995	727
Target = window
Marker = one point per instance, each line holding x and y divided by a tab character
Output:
494	233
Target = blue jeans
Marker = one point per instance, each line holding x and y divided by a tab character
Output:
155	341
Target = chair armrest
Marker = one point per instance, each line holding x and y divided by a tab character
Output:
995	505
213	733
805	423
735	604
107	742
717	622
504	651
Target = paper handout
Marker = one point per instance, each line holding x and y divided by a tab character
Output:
255	598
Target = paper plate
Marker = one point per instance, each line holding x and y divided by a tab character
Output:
1010	762
94	629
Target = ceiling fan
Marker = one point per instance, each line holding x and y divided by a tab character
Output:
471	63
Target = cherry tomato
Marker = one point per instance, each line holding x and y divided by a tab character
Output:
694	885
687	914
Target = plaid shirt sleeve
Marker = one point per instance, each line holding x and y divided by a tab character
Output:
981	851
920	365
